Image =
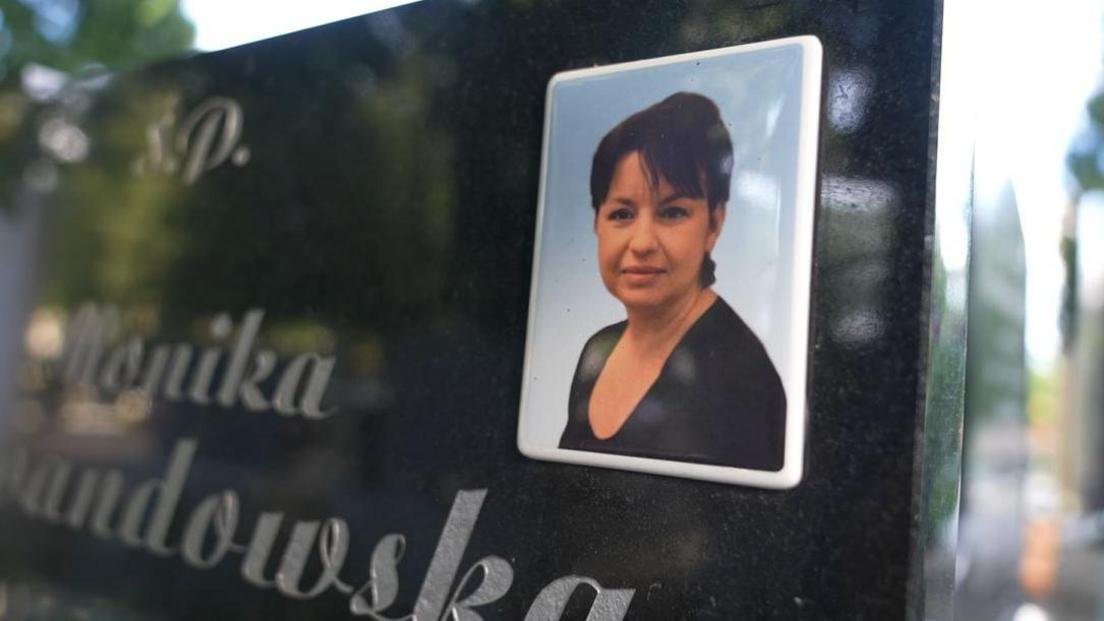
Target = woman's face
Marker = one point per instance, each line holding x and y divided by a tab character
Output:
652	240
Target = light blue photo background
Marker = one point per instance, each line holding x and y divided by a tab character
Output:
759	95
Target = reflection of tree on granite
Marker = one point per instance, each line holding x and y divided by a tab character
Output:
73	38
1083	326
390	200
994	445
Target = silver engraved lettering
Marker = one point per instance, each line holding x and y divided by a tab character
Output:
319	380
15	469
205	371
208	137
155	370
251	396
82	499
497	578
85	338
110	491
110	375
51	507
200	140
609	604
239	358
260	549
383	582
284	399
168	493
208	536
31	494
446	558
122	366
184	373
333	545
78	344
133	365
158	155
226	519
174	385
220	511
169	497
295	559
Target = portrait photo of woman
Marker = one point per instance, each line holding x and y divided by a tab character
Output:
669	315
682	377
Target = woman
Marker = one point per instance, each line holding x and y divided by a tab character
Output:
683	378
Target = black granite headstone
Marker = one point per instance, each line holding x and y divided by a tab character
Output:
319	247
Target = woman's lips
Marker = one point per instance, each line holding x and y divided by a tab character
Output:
642	274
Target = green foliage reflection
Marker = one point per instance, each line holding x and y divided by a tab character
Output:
73	39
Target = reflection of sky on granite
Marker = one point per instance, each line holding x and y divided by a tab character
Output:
849	93
221	25
759	96
857	218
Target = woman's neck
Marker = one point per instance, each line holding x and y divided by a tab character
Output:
651	330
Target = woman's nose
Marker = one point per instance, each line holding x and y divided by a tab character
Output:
643	238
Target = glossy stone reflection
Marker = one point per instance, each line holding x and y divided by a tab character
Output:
384	218
858	216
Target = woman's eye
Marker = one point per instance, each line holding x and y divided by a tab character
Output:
674	212
621	213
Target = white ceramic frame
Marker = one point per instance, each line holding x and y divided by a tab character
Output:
801	282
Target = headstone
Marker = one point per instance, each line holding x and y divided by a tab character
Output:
282	303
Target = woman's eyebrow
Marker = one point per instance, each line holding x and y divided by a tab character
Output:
673	196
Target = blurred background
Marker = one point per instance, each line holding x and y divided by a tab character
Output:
1030	533
1030	530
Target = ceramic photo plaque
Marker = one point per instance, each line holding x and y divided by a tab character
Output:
669	312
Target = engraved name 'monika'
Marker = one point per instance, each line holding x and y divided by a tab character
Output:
97	356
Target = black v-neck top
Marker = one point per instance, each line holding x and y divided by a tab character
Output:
717	400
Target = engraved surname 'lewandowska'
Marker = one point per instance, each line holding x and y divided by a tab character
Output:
97	356
57	491
233	370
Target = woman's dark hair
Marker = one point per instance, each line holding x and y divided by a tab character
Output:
681	139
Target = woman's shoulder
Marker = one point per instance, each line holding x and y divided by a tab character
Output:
732	343
739	382
723	325
598	348
592	359
609	333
